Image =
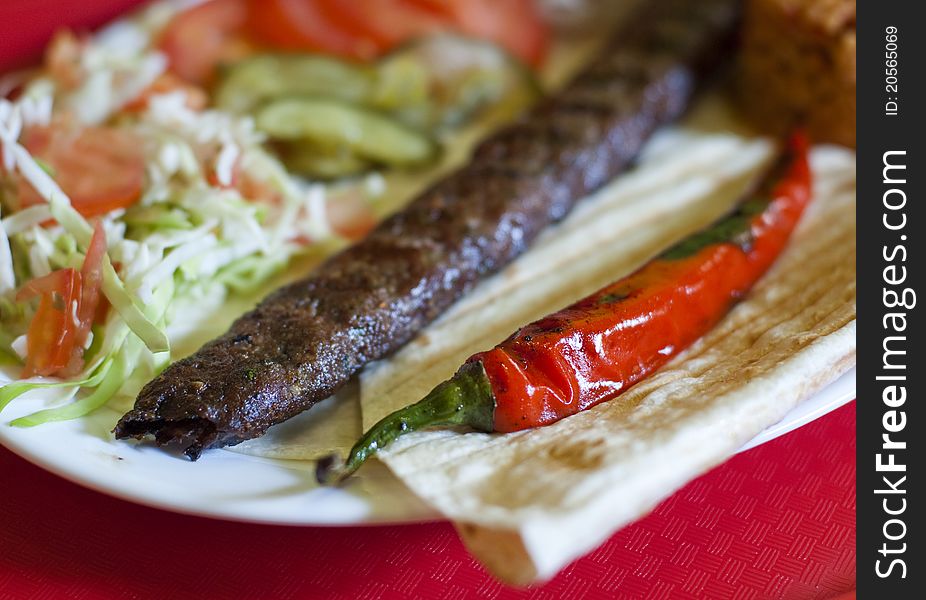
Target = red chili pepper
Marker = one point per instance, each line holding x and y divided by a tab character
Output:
605	343
598	347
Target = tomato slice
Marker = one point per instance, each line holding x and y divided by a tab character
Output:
350	215
200	38
99	168
68	304
196	98
52	335
63	59
385	22
362	29
305	25
91	280
515	25
48	284
218	31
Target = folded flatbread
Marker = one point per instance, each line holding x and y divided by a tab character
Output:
528	503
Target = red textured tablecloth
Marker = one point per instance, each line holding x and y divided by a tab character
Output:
777	521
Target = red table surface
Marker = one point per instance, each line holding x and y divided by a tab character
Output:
777	521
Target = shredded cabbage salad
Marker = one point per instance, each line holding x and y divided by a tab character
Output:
191	230
126	203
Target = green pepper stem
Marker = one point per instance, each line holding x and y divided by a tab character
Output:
464	399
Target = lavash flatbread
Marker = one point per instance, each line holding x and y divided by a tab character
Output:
528	503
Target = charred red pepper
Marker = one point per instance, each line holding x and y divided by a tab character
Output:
600	346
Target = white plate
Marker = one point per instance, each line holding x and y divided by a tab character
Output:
234	486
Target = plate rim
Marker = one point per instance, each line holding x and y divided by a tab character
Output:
837	393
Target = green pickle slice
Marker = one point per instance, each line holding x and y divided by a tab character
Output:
332	124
